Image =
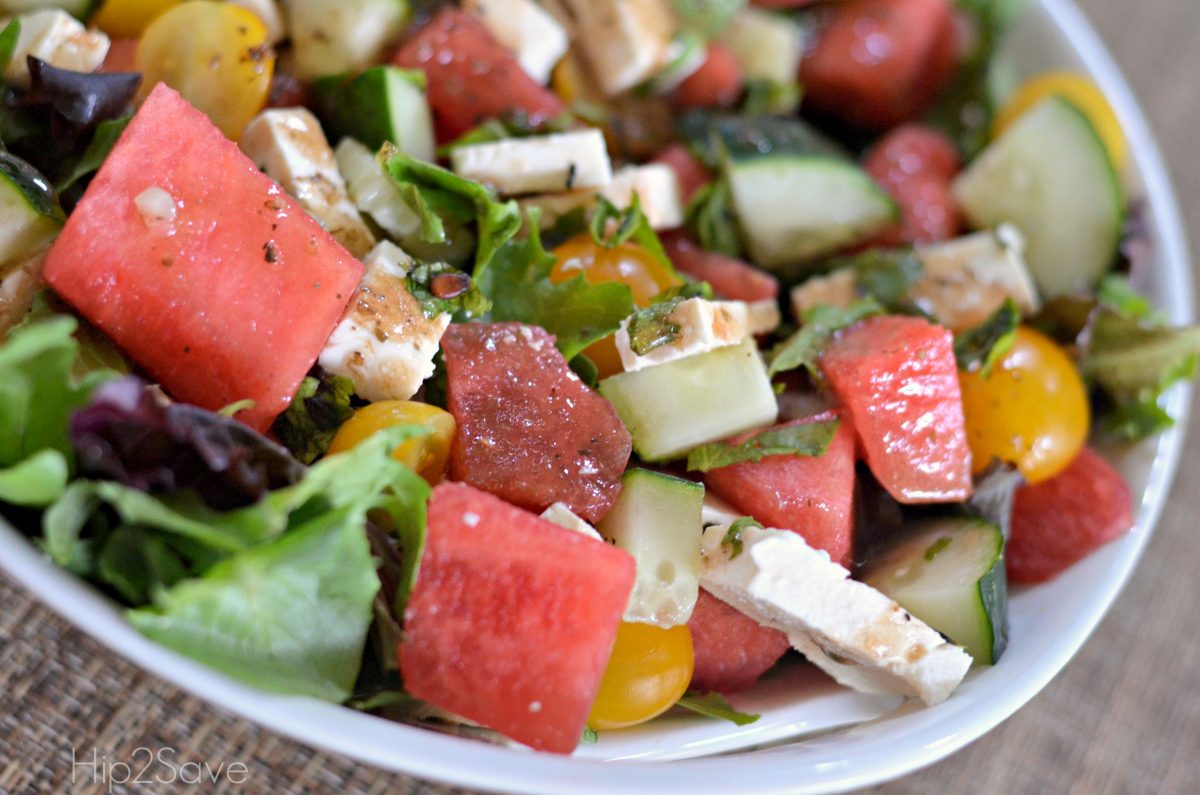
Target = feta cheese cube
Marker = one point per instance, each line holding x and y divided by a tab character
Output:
964	280
703	326
542	163
561	515
385	344
656	186
968	278
57	38
537	39
288	144
853	632
625	41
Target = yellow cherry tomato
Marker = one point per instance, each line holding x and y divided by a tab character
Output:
1080	92
1032	410
130	18
426	455
216	55
650	668
628	264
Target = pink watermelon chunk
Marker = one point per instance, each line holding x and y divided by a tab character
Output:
231	299
732	650
512	619
812	495
898	378
529	430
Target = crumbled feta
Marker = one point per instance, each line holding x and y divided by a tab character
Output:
703	326
625	41
561	515
853	632
655	184
384	343
288	144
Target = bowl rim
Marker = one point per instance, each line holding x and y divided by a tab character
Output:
878	752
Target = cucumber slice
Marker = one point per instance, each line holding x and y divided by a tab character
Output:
1051	177
29	213
951	576
795	209
372	191
657	520
383	103
671	408
719	135
80	9
332	37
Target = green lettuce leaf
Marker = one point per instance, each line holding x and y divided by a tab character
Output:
320	407
38	392
979	348
103	140
8	42
804	348
575	312
289	616
810	439
714	705
439	197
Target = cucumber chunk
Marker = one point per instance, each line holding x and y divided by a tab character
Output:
1051	177
671	408
766	45
373	191
657	520
30	217
950	574
795	209
383	103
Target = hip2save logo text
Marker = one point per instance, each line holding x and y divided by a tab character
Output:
154	767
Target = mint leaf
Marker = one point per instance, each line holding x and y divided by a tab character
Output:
438	196
575	312
711	219
732	540
628	226
809	439
312	419
979	348
804	348
652	327
714	705
443	288
885	275
589	736
37	481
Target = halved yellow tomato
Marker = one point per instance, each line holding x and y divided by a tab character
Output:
426	455
649	669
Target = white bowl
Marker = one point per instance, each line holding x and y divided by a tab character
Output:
807	753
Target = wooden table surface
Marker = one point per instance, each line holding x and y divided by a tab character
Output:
1124	717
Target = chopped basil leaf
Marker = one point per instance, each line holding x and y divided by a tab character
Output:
804	348
885	275
612	227
769	97
589	736
809	439
442	288
732	540
712	220
652	327
320	407
575	312
979	348
714	705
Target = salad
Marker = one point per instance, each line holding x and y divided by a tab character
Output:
530	369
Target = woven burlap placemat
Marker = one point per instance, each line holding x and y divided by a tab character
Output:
1123	718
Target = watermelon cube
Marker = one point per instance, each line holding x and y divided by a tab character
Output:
732	650
1062	520
898	379
472	77
529	430
812	495
512	619
200	267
